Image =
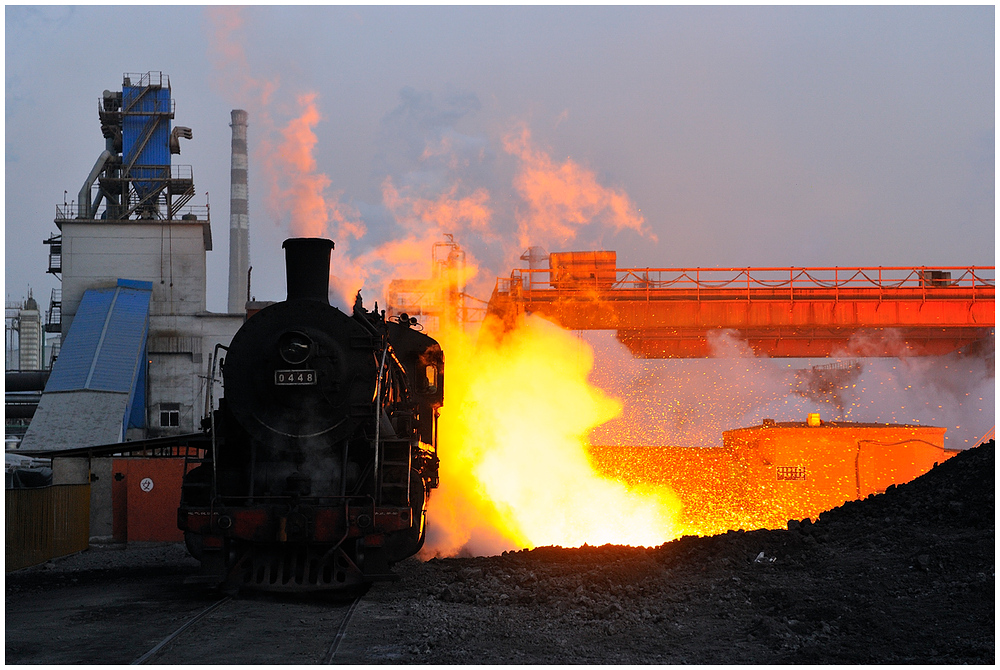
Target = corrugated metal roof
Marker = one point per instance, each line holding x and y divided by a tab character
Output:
107	341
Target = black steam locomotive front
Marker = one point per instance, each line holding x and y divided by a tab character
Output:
324	446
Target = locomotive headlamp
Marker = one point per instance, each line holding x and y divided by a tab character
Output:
295	347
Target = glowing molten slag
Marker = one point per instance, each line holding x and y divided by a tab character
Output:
515	470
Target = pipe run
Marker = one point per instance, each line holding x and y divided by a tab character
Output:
84	208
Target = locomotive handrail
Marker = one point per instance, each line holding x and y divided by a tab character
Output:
211	414
378	422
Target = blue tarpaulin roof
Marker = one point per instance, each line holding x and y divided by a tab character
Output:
105	349
106	342
97	388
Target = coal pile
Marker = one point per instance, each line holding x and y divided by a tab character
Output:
902	577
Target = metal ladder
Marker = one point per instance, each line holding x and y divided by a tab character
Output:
394	473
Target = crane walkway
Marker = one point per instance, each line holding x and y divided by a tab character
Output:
778	312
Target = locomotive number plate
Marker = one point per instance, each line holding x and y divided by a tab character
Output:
295	377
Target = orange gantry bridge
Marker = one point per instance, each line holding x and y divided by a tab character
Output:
778	312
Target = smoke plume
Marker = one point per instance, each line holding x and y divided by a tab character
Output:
561	199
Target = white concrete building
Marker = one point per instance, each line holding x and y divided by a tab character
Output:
171	255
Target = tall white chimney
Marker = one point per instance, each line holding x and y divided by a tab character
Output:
239	217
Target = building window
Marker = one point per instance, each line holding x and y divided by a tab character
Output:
170	415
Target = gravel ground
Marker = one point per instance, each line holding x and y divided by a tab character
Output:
115	556
903	577
102	561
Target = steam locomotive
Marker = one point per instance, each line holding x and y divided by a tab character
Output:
324	446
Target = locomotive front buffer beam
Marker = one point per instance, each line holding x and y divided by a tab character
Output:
280	547
279	523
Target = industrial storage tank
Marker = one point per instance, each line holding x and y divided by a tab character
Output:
794	470
765	475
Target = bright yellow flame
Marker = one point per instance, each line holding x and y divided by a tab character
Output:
515	471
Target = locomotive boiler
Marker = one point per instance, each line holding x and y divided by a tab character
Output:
324	444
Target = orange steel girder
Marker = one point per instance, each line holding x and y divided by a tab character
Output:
891	318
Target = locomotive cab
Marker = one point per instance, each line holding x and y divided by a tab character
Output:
324	445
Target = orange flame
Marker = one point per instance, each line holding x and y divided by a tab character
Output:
513	433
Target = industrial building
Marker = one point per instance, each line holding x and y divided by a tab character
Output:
28	357
137	347
138	344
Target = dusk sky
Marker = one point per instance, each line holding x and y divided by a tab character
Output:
715	137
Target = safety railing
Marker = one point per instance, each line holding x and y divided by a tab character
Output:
53	318
185	172
749	279
68	211
144	79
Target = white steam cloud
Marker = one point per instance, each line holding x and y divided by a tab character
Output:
691	402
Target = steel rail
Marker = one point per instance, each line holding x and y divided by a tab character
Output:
342	630
170	638
327	657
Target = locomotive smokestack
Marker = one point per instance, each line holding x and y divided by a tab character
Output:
307	268
239	216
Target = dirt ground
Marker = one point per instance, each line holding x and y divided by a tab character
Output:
903	577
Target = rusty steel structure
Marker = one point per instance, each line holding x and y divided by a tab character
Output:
778	312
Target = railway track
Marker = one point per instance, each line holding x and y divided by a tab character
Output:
257	630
